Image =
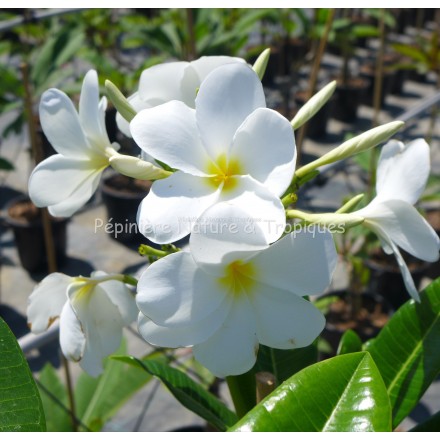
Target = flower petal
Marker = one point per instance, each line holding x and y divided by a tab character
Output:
205	65
403	170
121	296
137	103
175	292
302	262
225	233
72	338
195	333
264	146
227	96
233	349
262	207
100	322
64	184
173	205
285	320
168	81
61	125
169	133
403	224
46	301
90	113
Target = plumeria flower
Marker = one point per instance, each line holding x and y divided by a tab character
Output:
402	174
92	313
230	148
178	80
232	291
65	181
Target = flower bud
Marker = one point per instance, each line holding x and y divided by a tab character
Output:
261	63
137	168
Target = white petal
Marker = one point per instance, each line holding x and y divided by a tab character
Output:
173	205
168	81
169	133
195	333
205	65
233	349
46	301
61	125
262	207
264	146
225	233
403	170
137	103
65	182
301	262
121	296
403	224
72	338
101	323
226	98
89	111
174	291
285	320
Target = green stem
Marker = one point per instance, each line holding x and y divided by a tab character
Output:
145	250
243	392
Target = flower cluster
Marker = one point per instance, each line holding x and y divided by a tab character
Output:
222	164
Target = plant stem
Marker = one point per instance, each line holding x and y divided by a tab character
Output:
314	78
70	393
242	389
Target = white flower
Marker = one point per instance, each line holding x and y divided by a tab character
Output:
230	148
172	81
232	291
402	174
65	181
92	312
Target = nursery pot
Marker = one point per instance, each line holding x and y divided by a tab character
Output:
386	279
368	72
122	196
348	98
25	221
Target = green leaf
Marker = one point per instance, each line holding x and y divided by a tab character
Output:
98	399
430	425
407	353
21	409
285	363
55	401
345	393
349	343
189	393
6	165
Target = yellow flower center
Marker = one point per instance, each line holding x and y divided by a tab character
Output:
224	171
238	277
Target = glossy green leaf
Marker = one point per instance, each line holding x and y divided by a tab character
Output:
55	401
20	404
407	353
349	343
345	393
189	393
430	425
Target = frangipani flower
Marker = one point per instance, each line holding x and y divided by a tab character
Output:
232	291
65	181
402	174
178	81
230	148
92	313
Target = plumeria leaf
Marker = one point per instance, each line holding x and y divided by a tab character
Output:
406	351
21	409
284	363
349	343
345	393
189	393
5	165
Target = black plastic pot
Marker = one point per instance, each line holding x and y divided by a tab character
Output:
29	238
348	97
368	72
122	199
